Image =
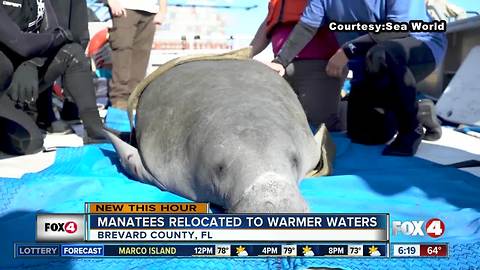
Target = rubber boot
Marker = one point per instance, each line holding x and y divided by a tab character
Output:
428	118
405	144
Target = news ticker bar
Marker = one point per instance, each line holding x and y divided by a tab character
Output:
212	228
216	250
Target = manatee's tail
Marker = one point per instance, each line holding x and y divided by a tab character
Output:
129	158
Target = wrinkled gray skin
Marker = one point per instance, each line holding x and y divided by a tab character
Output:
228	132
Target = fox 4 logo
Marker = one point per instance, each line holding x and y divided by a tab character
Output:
68	227
434	228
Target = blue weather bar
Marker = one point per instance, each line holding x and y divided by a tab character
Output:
378	250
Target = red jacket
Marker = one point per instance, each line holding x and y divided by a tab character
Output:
282	17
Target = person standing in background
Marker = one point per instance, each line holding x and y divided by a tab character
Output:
131	38
318	92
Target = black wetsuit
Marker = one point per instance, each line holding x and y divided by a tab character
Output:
382	99
27	34
71	15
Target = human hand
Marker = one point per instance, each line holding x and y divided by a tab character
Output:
277	67
336	66
24	86
117	9
159	18
376	59
61	36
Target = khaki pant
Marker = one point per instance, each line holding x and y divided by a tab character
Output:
131	39
318	93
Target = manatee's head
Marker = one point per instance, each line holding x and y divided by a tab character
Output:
257	169
271	193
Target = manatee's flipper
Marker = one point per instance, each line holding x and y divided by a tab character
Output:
327	150
122	135
130	160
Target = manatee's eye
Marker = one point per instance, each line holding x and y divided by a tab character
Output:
219	169
294	161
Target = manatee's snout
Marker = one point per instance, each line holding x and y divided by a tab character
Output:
271	193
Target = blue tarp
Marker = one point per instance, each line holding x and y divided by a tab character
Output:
364	181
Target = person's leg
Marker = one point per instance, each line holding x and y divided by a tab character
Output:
318	93
46	119
69	110
121	39
46	116
368	120
6	72
142	46
397	75
71	63
19	135
421	66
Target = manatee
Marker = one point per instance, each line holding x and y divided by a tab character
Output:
230	132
